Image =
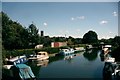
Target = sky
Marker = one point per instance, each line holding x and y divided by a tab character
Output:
60	0
66	18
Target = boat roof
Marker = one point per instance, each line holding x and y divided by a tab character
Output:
107	46
21	66
16	58
42	52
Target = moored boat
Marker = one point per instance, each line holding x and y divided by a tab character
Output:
66	51
16	60
42	55
105	50
18	72
78	49
89	47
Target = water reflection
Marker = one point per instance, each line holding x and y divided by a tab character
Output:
103	58
34	67
91	55
107	71
55	58
69	66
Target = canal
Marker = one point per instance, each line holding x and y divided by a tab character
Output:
79	65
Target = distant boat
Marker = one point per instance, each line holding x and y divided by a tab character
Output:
66	51
78	49
88	47
18	72
105	50
42	55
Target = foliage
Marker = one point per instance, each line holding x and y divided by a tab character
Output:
90	37
116	54
33	35
14	36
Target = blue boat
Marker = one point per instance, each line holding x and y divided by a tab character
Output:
17	60
18	72
25	71
66	51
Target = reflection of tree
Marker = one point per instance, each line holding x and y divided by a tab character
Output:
116	54
56	58
34	67
91	56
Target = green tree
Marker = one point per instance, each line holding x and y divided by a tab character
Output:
116	41
33	35
90	37
14	36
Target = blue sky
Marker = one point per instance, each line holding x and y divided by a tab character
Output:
60	0
66	18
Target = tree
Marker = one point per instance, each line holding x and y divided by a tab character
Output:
33	35
116	40
90	37
14	36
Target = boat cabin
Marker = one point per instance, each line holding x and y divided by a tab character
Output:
42	55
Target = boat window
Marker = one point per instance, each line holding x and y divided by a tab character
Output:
10	63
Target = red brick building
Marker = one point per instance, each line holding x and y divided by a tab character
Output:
58	44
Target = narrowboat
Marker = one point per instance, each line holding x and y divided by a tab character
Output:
66	51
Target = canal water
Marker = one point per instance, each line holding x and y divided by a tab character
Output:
79	65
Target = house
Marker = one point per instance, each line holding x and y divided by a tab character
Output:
58	44
39	46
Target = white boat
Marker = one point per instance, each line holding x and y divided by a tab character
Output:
66	51
16	60
88	47
105	50
42	55
77	49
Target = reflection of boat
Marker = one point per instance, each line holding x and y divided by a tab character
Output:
78	49
66	51
117	71
69	56
89	51
88	47
18	72
42	63
112	69
110	59
107	71
42	55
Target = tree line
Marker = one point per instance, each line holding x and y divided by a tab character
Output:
16	36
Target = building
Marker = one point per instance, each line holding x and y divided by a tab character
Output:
42	33
58	44
39	46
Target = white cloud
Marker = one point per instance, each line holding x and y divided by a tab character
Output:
78	18
103	22
45	24
72	18
81	17
114	13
